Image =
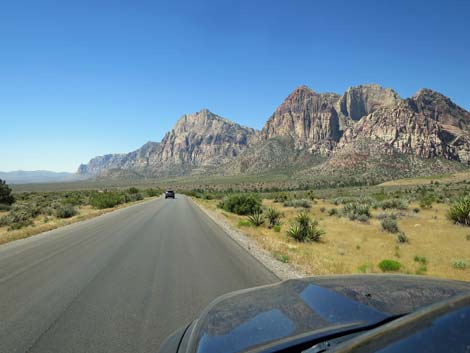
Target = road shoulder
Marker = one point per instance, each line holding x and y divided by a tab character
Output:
282	270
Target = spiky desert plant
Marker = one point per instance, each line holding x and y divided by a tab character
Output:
459	212
273	216
305	229
256	218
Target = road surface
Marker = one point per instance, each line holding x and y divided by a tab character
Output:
120	282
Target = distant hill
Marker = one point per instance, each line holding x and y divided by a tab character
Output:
367	133
37	176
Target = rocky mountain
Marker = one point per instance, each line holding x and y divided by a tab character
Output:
197	142
309	131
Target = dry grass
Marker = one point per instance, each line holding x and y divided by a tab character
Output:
353	247
453	178
43	224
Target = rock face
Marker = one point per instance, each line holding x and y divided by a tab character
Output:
201	140
307	117
362	100
308	130
403	128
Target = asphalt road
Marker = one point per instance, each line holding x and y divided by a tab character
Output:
120	282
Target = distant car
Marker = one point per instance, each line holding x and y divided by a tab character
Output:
169	194
359	313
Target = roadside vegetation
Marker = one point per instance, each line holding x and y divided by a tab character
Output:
421	229
28	213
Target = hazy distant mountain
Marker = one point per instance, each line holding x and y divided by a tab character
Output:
323	131
37	176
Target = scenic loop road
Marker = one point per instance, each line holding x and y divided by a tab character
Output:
120	282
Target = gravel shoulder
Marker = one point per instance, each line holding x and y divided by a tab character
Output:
283	270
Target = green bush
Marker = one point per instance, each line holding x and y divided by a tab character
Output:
304	229
6	197
426	200
65	212
459	264
132	190
332	212
421	259
244	223
106	199
277	228
153	192
20	216
365	268
256	218
273	216
303	203
398	204
241	204
281	257
390	225
354	210
402	238
281	197
459	211
389	265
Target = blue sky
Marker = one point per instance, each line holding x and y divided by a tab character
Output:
85	78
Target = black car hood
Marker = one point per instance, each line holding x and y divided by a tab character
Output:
273	317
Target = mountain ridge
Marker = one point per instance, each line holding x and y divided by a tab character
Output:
307	128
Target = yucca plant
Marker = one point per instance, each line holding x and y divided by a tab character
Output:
256	218
273	216
459	212
305	229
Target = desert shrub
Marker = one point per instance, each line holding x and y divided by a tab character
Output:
384	215
277	228
152	192
256	218
426	200
134	197
73	198
281	257
402	238
389	265
389	225
281	197
305	229
354	210
363	218
398	204
65	212
304	203
332	211
459	264
132	190
241	204
244	223
422	269
106	199
273	216
365	268
4	207
20	216
6	197
421	259
459	211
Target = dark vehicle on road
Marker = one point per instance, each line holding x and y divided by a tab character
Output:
361	313
169	194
